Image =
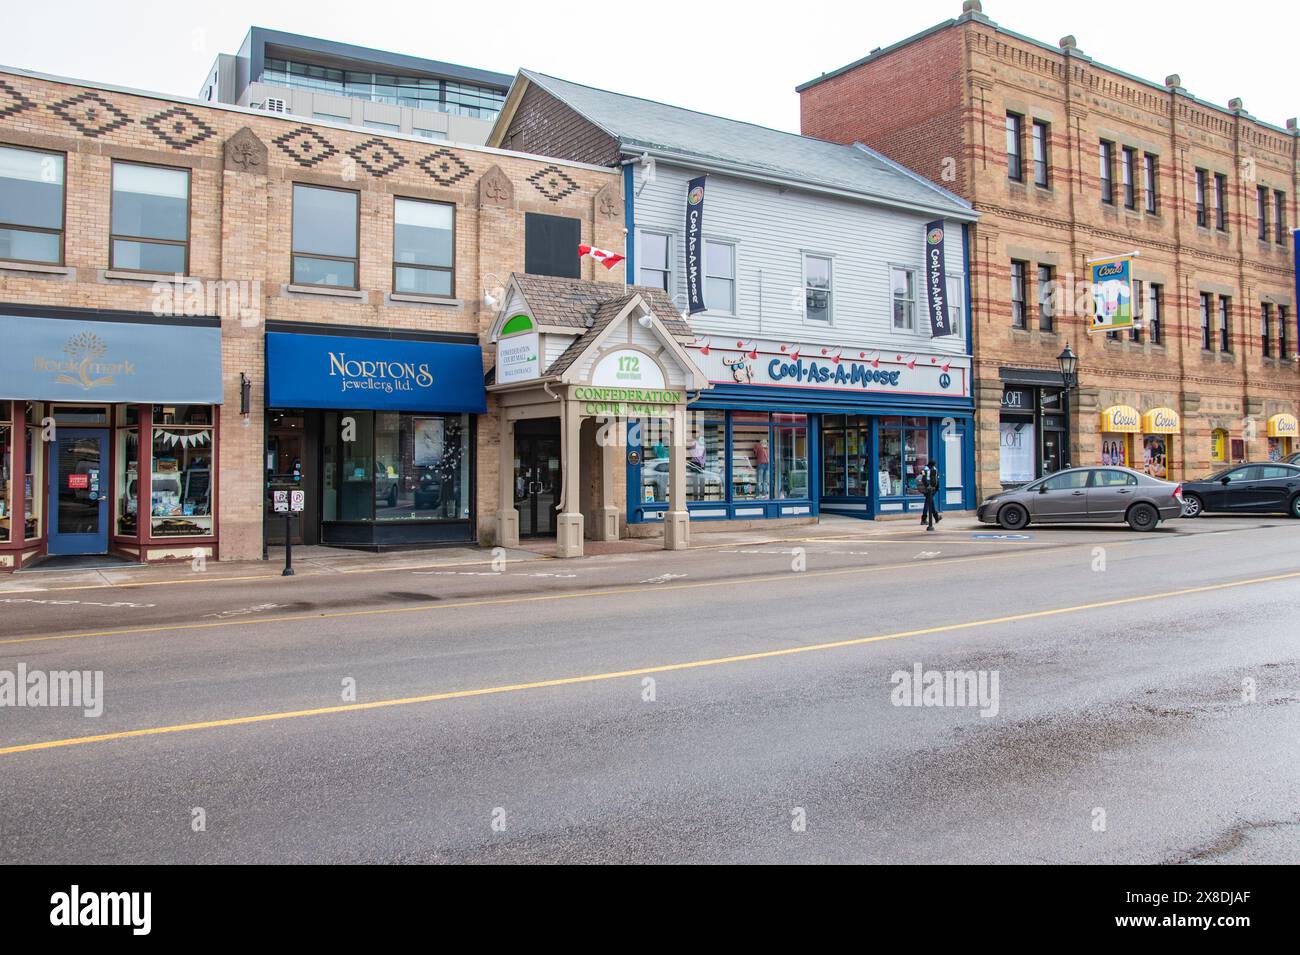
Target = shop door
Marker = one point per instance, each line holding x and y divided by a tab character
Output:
291	452
79	492
537	476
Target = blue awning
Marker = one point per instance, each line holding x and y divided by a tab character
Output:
69	355
382	374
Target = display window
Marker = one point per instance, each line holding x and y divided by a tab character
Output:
392	467
1115	450
127	486
6	473
33	450
790	458
904	450
706	448
1155	455
184	448
751	456
846	456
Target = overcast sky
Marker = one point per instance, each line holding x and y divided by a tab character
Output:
737	60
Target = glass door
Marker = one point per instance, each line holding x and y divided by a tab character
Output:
79	492
538	476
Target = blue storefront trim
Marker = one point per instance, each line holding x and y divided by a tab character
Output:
942	413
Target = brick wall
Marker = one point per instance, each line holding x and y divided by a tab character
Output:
240	232
1066	224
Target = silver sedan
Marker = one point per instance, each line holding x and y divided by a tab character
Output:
1086	496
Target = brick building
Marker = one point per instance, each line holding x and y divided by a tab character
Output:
157	254
1068	160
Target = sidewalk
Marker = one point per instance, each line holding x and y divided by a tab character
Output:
317	561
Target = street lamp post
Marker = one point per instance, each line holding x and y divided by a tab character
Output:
1068	362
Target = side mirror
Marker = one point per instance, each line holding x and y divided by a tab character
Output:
1224	481
1042	489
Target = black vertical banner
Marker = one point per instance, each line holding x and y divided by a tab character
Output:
695	245
936	281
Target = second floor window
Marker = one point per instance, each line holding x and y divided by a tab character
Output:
1202	217
150	220
817	288
1155	311
1046	298
1015	137
1149	179
654	267
1207	333
1107	171
1261	211
1042	137
1018	295
1225	332
1139	303
1221	202
903	286
551	245
424	248
31	206
325	226
1127	164
720	276
1279	217
1283	320
1266	329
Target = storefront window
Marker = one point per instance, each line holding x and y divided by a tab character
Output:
1219	446
790	433
706	467
1115	449
6	473
35	480
846	456
386	466
180	499
904	450
127	485
1155	455
890	479
421	467
751	456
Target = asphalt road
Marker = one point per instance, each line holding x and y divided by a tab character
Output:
732	703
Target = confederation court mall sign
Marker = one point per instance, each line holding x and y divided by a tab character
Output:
628	402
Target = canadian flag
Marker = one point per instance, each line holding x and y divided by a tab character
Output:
607	259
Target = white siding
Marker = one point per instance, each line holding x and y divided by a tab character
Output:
772	230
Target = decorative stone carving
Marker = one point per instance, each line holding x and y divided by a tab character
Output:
246	153
609	203
495	189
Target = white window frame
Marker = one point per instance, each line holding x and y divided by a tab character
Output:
916	272
956	304
733	279
830	290
668	255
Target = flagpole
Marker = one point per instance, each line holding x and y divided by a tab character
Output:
1107	258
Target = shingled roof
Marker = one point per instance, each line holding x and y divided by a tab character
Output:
672	132
571	302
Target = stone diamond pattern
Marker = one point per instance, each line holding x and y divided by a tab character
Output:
444	167
305	146
377	157
554	183
12	102
90	114
179	128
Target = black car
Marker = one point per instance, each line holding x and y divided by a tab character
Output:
1245	489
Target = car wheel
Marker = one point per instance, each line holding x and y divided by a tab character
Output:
1193	506
1294	509
1143	517
1013	517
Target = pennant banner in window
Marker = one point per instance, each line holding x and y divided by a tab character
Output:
183	439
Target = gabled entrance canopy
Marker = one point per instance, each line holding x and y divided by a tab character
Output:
574	349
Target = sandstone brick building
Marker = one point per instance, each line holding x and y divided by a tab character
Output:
155	252
1067	160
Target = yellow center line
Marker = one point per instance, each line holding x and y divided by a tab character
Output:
638	671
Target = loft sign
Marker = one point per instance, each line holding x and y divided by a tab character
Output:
378	375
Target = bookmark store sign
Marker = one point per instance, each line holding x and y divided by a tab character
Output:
1112	294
